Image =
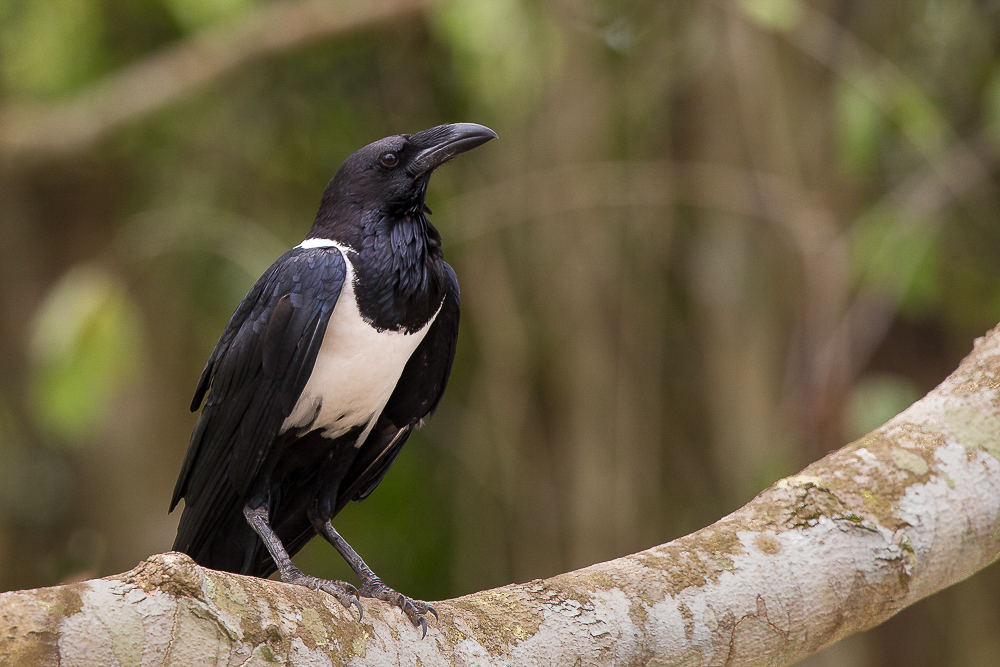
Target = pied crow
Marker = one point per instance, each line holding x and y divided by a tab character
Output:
336	354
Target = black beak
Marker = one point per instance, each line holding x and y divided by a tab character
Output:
440	144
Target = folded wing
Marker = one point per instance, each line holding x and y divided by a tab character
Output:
253	379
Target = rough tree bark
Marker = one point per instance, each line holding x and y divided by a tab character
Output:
842	546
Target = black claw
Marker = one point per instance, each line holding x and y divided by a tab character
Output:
433	611
423	625
361	610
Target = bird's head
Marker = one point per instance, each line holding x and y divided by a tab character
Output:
388	178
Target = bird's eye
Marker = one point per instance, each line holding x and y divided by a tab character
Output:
390	159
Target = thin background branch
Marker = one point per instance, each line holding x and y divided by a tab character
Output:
165	76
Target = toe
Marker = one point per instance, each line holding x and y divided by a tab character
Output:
344	592
413	609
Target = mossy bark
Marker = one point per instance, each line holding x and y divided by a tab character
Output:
889	519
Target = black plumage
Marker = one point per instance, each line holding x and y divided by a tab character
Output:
335	355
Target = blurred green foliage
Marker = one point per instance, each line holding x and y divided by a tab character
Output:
49	48
774	14
875	399
897	257
193	14
501	50
85	346
713	242
860	126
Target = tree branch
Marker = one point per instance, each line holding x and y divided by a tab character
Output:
903	512
161	78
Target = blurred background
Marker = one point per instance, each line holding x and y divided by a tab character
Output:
715	241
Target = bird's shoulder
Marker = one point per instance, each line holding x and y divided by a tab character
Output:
306	280
304	274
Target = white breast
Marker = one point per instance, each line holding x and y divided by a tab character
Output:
356	369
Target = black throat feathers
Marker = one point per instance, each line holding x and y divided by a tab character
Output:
399	278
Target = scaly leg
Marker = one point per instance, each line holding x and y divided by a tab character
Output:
345	593
371	585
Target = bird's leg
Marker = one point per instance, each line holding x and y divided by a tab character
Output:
371	585
345	593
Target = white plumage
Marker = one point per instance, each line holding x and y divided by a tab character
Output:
357	366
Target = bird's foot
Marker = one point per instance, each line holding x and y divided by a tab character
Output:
414	609
345	593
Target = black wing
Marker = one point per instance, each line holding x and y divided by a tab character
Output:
415	397
256	373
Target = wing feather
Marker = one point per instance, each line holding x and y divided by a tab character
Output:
253	379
